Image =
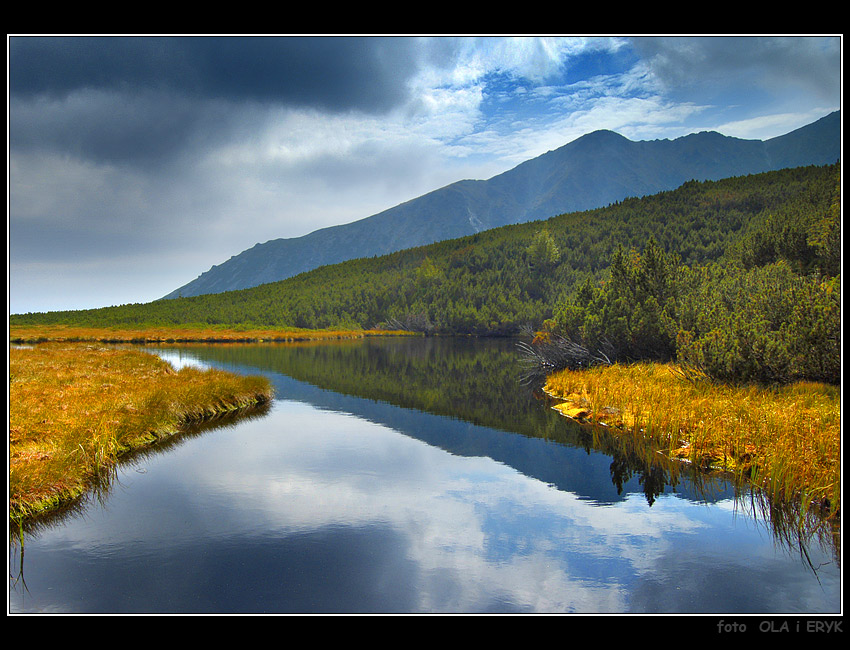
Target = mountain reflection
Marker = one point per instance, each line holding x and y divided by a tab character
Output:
402	475
468	381
468	396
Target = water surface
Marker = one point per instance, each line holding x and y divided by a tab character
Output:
410	475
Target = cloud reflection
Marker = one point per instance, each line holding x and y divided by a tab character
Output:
480	534
312	510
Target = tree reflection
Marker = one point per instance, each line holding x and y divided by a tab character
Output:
485	382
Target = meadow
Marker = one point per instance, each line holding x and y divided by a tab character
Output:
179	333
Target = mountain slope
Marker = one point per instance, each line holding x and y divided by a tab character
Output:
595	170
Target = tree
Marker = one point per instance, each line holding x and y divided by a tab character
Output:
543	252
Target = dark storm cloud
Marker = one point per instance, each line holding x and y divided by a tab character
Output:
112	127
333	74
143	100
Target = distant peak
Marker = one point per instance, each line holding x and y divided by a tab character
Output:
706	134
599	138
604	133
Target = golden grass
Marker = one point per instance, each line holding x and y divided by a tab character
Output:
786	440
179	333
75	408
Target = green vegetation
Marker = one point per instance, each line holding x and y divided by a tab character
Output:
739	278
766	324
767	311
498	280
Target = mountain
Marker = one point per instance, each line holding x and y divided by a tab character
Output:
595	170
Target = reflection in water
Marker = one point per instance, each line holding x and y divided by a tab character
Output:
410	475
480	382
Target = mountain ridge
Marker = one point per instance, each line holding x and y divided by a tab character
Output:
596	169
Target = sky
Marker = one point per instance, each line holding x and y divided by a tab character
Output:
138	162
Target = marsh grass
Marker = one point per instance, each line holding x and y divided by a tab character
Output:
76	408
786	440
179	334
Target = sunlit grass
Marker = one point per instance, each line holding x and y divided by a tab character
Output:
75	408
180	333
786	439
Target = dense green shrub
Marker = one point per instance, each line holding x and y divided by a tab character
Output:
768	310
765	324
635	312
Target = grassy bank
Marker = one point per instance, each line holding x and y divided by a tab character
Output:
180	334
76	408
786	440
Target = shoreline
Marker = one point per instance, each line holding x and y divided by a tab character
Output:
35	334
77	409
783	440
706	425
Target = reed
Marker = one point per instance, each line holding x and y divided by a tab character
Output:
784	439
74	409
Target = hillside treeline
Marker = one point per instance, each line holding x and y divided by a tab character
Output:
768	310
740	276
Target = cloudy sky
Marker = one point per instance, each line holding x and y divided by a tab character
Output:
136	163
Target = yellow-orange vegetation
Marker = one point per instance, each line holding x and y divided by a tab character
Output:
785	439
178	333
74	408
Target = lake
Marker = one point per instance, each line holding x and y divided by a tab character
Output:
408	475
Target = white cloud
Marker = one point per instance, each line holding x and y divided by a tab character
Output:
770	126
443	507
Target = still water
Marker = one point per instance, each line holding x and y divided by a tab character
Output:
411	475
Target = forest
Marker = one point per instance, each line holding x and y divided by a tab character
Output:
738	279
